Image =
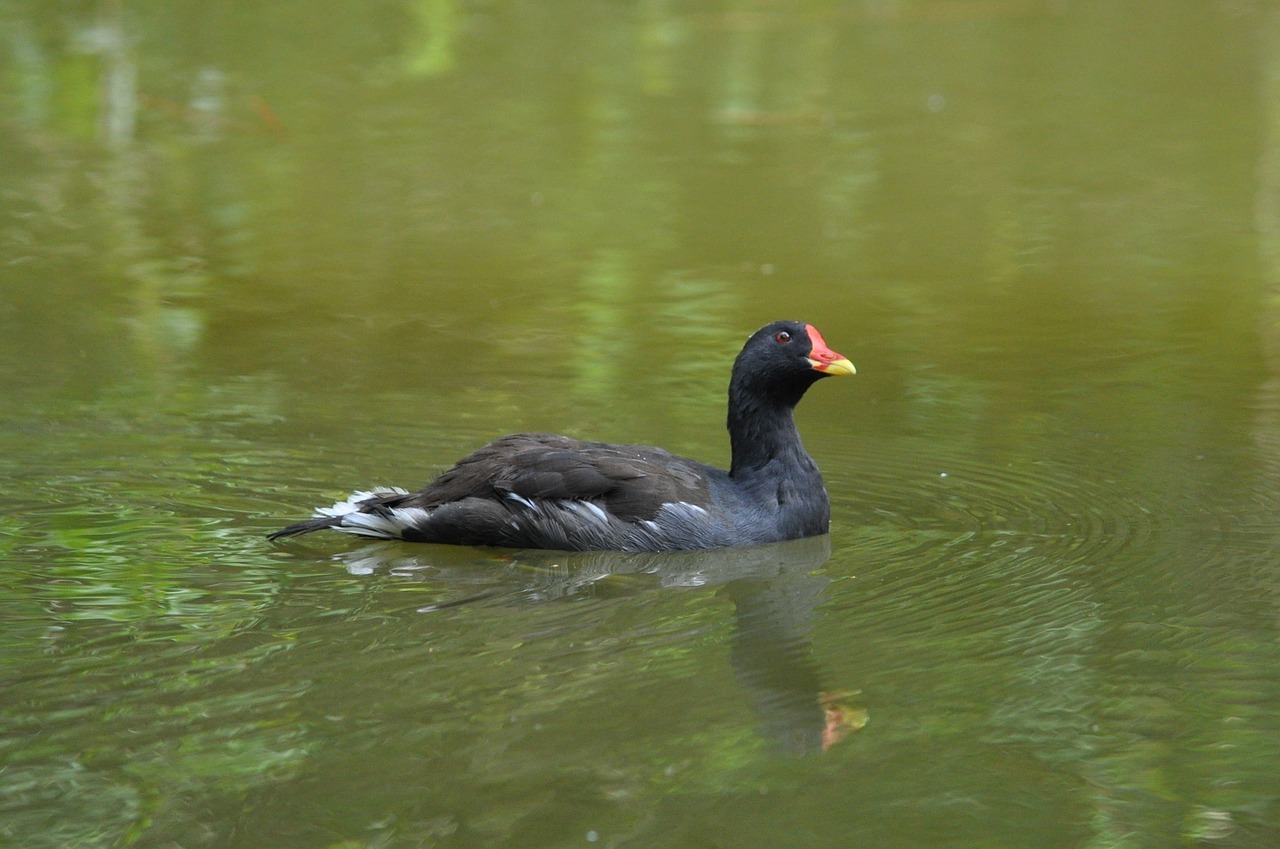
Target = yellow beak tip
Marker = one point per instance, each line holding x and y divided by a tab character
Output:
840	367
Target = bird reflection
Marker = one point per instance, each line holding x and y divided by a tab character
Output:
774	588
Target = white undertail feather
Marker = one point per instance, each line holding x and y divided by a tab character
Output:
364	524
369	525
411	516
355	499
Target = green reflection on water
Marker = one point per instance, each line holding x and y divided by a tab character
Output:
255	257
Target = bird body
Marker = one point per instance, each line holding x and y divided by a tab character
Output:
535	490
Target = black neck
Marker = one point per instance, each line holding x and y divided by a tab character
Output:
761	433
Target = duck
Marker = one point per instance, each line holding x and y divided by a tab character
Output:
546	491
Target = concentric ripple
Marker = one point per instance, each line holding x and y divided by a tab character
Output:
1020	555
960	506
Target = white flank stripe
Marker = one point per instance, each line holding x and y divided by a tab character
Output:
596	510
583	508
684	507
520	499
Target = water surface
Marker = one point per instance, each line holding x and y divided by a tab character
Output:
255	257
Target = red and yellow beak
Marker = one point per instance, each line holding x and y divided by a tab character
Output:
824	359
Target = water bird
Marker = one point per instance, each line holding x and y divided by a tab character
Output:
537	490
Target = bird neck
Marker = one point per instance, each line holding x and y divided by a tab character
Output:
761	435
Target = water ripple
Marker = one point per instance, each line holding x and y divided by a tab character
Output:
955	508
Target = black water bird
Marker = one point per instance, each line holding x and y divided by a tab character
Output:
536	490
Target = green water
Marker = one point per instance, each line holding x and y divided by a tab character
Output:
254	256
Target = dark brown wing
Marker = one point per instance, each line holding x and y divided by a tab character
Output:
630	481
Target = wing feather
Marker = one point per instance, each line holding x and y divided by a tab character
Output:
632	482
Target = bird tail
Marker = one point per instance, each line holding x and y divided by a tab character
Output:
349	513
319	523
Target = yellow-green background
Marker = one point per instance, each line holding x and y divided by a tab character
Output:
254	255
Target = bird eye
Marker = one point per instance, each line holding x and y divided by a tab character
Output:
782	337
